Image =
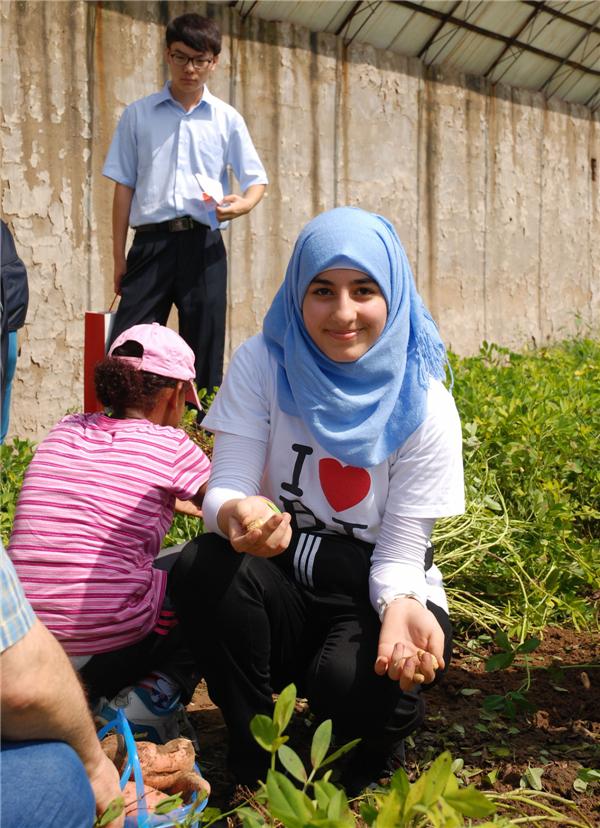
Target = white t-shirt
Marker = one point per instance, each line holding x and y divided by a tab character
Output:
421	479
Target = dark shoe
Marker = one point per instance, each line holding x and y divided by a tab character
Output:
365	771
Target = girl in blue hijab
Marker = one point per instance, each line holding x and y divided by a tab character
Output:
336	449
360	410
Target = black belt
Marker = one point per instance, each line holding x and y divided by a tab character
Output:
173	226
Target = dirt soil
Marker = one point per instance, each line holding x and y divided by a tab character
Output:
562	737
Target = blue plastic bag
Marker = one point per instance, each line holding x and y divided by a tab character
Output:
143	818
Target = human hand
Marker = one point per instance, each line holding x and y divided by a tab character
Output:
273	536
233	206
187	507
408	627
120	269
104	779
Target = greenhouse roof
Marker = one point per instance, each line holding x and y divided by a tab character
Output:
552	47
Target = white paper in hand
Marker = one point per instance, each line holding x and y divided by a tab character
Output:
212	193
200	196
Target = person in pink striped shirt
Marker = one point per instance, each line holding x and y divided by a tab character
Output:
97	501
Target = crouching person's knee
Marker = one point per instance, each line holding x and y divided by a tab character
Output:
45	783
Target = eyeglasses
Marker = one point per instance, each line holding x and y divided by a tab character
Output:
197	62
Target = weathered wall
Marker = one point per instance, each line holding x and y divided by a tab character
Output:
490	188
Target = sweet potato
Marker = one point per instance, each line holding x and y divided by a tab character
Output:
114	747
153	797
176	755
188	783
160	764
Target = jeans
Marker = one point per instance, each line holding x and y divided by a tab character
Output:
44	785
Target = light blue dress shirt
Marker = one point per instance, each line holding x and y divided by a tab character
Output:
158	146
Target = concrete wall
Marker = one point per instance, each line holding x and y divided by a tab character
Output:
490	189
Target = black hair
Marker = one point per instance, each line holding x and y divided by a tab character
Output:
197	32
120	385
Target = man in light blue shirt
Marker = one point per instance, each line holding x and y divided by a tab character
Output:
161	143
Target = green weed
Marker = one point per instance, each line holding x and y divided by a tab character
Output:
184	527
527	552
15	459
435	799
514	699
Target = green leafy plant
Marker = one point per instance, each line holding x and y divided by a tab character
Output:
165	808
532	778
527	551
115	808
189	422
438	798
502	661
509	652
268	732
435	799
15	460
586	777
184	528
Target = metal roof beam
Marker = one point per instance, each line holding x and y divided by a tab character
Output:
564	60
370	7
510	41
451	33
591	98
439	29
348	17
541	6
244	15
531	17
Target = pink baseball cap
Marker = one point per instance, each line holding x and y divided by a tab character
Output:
165	353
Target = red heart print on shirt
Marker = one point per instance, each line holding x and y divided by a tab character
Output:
343	486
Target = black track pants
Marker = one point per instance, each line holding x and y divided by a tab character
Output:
188	269
254	628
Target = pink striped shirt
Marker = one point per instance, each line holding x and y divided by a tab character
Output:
97	501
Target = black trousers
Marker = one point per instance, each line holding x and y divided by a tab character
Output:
188	269
256	625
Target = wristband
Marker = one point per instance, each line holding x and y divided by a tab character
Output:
270	503
389	597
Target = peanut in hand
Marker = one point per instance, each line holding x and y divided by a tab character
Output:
419	678
255	524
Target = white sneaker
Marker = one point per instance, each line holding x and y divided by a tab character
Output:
158	725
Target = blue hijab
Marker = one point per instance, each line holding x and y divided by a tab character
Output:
362	411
